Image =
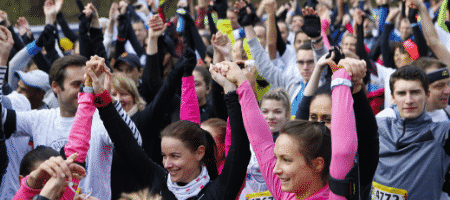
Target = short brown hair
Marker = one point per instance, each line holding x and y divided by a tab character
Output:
410	73
57	72
314	141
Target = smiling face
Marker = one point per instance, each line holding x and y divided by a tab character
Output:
274	113
125	98
294	172
410	97
182	164
68	94
349	44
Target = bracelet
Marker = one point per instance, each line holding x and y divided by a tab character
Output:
334	67
340	81
317	41
102	99
88	89
120	39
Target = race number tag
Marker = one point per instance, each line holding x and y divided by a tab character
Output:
381	192
260	196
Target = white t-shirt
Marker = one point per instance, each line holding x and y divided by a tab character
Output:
384	74
16	147
48	128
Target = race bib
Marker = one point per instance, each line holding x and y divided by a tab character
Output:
260	196
381	192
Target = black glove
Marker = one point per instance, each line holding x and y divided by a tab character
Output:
246	19
412	15
221	7
312	26
85	24
47	37
122	27
190	61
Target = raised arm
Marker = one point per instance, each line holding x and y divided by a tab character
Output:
343	130
430	33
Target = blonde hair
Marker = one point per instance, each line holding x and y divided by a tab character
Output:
121	83
140	195
279	95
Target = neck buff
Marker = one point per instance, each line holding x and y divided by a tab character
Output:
191	189
438	75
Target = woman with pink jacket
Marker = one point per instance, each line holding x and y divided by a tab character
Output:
298	164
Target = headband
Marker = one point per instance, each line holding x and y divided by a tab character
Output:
438	75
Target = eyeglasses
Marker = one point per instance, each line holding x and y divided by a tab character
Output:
308	62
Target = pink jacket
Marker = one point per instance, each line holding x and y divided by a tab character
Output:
78	142
190	111
344	141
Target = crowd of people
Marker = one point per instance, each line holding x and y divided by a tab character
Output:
318	99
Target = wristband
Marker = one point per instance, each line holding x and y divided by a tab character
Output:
88	89
32	48
120	39
340	81
102	99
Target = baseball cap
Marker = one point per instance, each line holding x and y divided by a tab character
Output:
36	78
132	60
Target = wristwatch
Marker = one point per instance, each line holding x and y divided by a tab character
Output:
341	81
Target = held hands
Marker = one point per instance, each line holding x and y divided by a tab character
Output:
358	17
156	26
326	60
94	68
23	26
392	14
6	43
55	167
230	71
90	10
50	11
356	69
222	44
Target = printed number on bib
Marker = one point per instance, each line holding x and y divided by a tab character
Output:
260	196
381	192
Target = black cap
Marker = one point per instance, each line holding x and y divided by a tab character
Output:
132	60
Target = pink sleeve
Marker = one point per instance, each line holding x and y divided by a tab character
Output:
25	192
260	137
189	109
325	24
343	131
80	132
228	138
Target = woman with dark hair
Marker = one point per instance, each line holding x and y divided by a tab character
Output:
188	154
303	161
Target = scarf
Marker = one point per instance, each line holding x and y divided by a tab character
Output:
192	189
